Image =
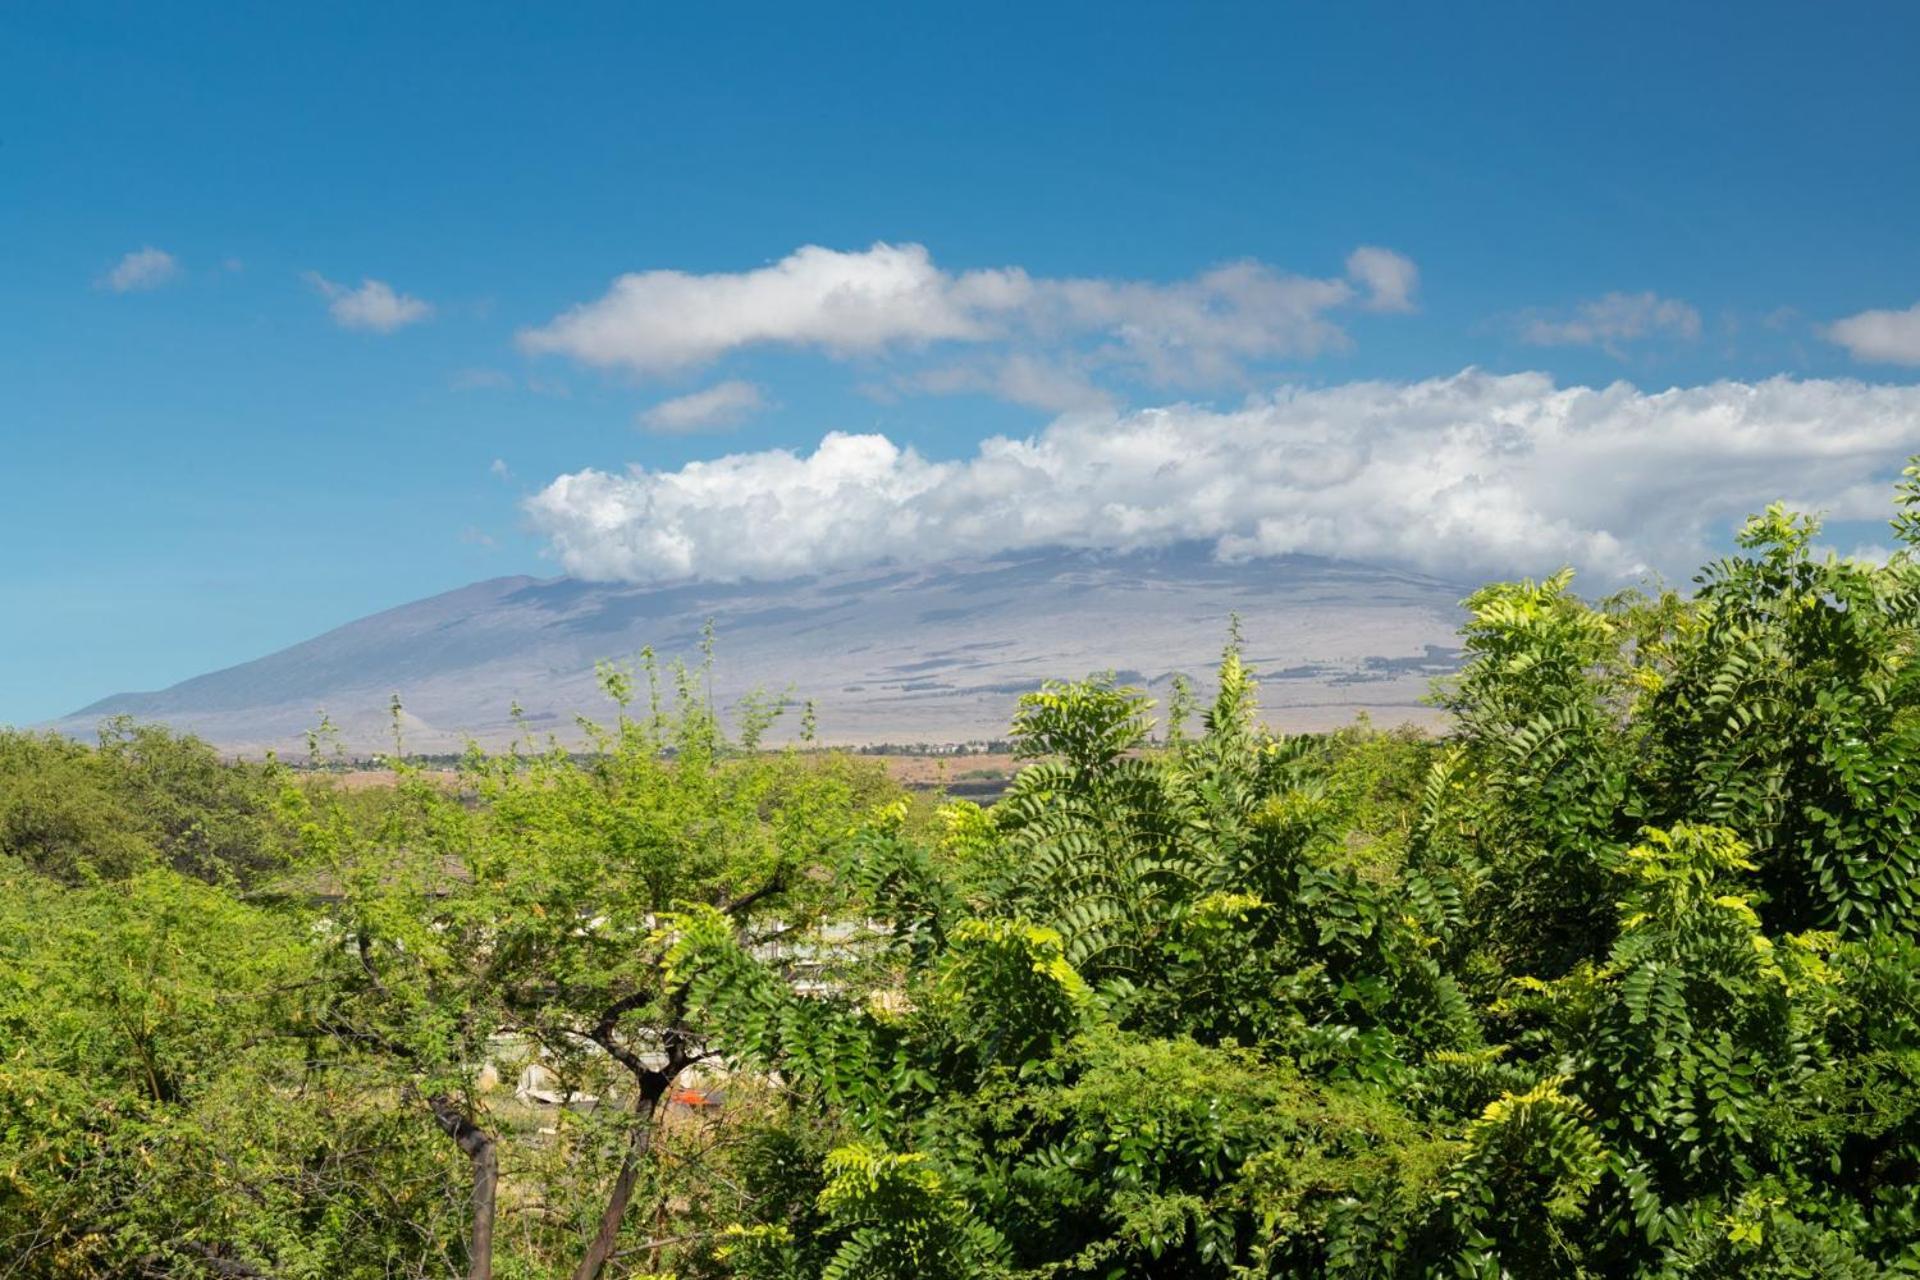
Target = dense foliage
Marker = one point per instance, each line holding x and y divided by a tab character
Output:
1619	977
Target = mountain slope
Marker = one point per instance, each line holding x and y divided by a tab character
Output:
935	653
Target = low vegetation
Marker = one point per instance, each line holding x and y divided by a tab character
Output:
1619	977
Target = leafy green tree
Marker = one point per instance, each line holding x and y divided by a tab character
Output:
528	913
61	817
145	796
153	1120
1619	977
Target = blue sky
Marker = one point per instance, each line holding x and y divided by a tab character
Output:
234	442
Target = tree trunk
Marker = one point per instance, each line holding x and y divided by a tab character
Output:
477	1143
639	1142
220	1265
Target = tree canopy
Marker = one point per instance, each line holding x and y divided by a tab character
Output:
1620	976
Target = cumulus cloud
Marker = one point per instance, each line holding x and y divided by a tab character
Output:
844	303
375	305
893	297
1613	320
723	405
1885	337
1467	475
1390	278
147	268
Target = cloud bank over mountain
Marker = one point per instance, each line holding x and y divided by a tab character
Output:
1475	473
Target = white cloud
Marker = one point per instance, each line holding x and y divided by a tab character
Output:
1039	384
722	405
147	268
893	297
1467	475
845	303
499	468
1611	321
1874	553
1199	332
1390	278
375	305
1887	337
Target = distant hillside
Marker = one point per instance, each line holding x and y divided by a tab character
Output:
936	653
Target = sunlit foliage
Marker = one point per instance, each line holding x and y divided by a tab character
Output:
1618	977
